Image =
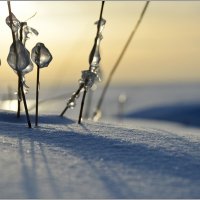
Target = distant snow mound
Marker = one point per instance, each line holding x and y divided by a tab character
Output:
184	113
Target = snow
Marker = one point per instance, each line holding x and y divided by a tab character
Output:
126	157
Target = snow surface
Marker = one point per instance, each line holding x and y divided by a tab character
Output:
122	156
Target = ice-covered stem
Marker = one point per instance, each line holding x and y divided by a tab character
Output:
91	59
20	85
97	112
18	90
72	99
91	75
92	53
41	56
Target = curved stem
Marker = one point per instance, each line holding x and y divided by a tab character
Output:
119	59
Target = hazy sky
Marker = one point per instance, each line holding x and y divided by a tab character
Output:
166	47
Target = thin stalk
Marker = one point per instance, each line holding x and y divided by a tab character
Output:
19	98
37	86
25	106
37	95
119	59
88	104
76	93
91	57
18	73
15	49
82	105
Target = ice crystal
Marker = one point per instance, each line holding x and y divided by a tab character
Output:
102	25
41	56
28	69
88	79
18	57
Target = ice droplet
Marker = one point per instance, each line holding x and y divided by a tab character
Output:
28	69
94	57
88	78
40	55
72	104
18	60
102	24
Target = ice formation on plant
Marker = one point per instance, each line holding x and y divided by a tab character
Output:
18	58
89	77
93	74
95	57
27	30
41	56
15	25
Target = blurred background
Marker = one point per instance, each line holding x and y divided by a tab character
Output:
165	49
158	78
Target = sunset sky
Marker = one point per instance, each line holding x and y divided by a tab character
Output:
166	47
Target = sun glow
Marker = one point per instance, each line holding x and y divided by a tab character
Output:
165	48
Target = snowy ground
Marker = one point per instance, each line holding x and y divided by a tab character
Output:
149	152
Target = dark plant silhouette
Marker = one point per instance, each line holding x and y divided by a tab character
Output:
90	76
21	33
19	56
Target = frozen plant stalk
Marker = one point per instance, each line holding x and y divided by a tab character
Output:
90	76
41	56
20	33
19	57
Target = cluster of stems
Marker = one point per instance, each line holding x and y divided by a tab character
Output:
19	73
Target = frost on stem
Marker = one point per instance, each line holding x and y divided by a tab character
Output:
41	56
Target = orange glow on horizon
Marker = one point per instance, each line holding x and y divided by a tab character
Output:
165	48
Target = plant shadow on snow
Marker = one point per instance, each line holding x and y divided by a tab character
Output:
90	147
45	119
186	114
29	172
